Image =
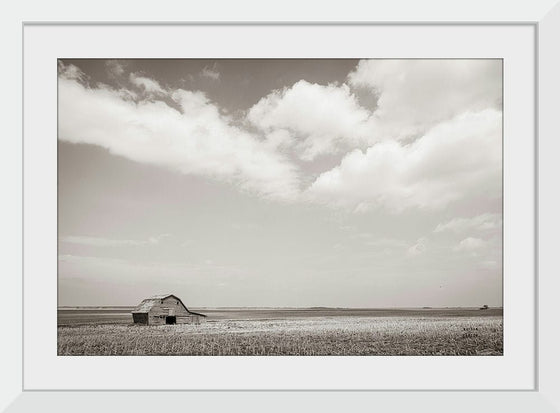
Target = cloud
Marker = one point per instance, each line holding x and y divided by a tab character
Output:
107	242
483	222
323	119
470	244
108	269
194	138
406	99
387	243
158	238
114	68
456	160
418	248
450	109
210	73
280	139
71	72
414	95
147	84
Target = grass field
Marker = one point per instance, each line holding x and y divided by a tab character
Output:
303	332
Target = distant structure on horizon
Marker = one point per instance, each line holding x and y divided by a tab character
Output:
165	309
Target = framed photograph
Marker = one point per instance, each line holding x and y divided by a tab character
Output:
339	210
309	207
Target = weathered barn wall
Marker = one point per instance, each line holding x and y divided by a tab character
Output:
155	320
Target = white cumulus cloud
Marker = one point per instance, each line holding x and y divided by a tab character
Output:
413	95
450	111
324	119
196	139
456	160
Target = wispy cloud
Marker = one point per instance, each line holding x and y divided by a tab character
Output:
130	268
387	243
108	242
210	73
114	68
418	248
71	72
470	244
483	222
148	85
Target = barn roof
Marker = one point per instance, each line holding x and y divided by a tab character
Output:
146	305
161	296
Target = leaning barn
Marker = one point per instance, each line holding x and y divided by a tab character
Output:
164	309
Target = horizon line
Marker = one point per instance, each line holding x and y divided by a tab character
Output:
300	307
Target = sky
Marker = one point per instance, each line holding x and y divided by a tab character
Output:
280	183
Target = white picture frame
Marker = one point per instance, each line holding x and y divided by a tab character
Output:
545	20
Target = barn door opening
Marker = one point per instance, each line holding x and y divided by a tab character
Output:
170	319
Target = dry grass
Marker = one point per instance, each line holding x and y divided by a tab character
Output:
299	337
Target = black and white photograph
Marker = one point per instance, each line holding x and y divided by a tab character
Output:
280	207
